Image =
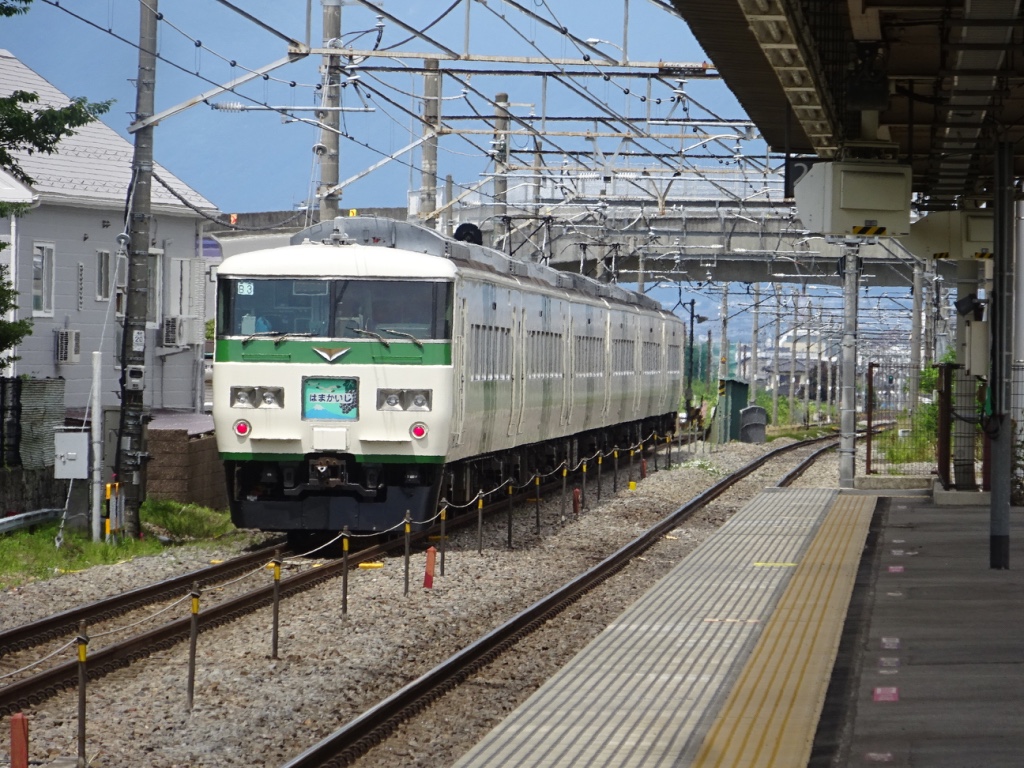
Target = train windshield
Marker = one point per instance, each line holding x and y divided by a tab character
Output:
397	310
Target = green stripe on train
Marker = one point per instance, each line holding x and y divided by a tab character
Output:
347	351
360	459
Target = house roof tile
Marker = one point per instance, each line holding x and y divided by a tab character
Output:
94	164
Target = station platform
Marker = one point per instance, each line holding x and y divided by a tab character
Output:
815	628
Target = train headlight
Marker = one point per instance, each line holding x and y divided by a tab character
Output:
243	397
242	428
271	397
257	397
404	399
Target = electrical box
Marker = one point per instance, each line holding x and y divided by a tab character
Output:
952	235
135	378
855	198
71	455
976	358
732	398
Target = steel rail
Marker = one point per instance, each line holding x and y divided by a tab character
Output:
66	623
359	735
790	477
33	690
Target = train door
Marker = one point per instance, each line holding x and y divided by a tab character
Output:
607	371
518	373
639	322
568	367
461	362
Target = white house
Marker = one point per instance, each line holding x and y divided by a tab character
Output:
70	271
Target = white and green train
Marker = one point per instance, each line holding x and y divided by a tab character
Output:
374	367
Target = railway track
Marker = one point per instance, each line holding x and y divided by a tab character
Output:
348	743
31	691
66	623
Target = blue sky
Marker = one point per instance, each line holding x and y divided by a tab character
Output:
256	160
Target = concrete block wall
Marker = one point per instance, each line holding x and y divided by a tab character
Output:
185	468
26	490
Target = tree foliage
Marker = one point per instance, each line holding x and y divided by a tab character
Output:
11	331
13	7
25	127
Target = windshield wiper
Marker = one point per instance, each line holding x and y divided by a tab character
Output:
263	335
415	341
372	334
295	335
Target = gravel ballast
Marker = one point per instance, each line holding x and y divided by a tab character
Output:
253	710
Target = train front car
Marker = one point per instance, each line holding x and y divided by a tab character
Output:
332	384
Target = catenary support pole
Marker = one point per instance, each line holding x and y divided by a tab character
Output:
431	123
753	343
848	404
915	336
330	142
792	356
775	358
807	361
501	128
723	350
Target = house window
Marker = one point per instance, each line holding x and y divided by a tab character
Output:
102	275
42	279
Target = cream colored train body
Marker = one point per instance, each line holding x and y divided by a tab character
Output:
373	367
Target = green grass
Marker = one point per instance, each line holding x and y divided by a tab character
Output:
29	556
186	522
799	433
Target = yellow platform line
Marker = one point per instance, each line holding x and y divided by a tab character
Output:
772	712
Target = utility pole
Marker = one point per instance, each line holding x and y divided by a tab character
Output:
331	117
128	466
431	121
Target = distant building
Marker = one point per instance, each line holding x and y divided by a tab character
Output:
71	273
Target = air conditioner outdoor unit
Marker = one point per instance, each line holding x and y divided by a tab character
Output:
67	345
176	331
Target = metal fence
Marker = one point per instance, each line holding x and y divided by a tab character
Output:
902	419
941	431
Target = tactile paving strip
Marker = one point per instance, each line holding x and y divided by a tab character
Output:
646	690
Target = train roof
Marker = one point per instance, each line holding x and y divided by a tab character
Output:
367	234
315	259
